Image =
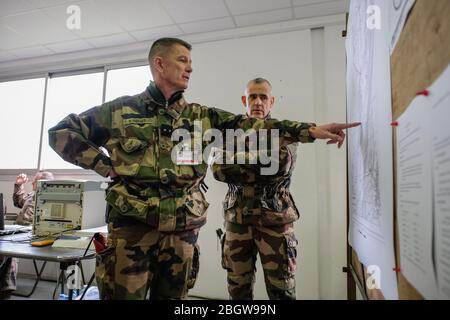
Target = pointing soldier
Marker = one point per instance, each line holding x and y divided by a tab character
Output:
155	205
259	211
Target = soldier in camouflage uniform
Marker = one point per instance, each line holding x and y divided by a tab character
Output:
259	212
25	201
155	206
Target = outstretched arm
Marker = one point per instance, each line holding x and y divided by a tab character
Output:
333	131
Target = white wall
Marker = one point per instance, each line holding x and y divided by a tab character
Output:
307	71
328	63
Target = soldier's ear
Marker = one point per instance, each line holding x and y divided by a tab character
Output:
158	64
244	101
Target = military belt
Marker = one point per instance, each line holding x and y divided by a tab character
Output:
144	190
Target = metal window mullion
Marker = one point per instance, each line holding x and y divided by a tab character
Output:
105	78
125	65
47	78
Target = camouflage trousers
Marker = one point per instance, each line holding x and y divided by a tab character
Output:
140	260
277	250
8	273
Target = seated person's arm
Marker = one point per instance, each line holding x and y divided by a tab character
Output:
19	191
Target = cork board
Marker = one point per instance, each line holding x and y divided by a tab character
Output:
421	55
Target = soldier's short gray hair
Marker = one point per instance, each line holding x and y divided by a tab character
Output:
162	46
258	80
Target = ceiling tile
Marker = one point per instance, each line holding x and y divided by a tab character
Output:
10	7
12	40
136	14
248	6
31	52
6	56
321	9
69	46
38	26
263	17
154	33
28	24
305	2
50	3
111	40
94	23
208	25
188	11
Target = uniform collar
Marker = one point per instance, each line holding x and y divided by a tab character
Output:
153	97
268	117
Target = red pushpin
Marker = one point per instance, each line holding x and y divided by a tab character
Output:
394	124
425	93
396	269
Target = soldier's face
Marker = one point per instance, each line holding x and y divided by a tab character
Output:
177	67
258	100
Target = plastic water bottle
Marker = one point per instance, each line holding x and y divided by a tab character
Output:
91	293
63	296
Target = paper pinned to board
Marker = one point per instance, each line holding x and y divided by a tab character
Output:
439	104
423	209
414	197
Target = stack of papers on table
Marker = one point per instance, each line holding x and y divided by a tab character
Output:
90	232
73	241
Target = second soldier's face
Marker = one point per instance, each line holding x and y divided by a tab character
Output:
178	67
258	100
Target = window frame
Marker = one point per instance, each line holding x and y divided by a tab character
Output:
6	174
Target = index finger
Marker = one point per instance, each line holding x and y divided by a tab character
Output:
333	137
342	126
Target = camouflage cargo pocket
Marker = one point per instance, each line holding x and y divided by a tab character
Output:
274	218
279	210
224	260
229	202
194	268
128	205
291	255
195	206
229	210
127	154
105	262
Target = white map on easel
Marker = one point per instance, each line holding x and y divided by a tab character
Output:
370	146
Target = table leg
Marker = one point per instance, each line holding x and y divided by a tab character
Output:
38	278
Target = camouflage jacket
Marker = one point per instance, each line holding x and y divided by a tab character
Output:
257	199
24	201
136	132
